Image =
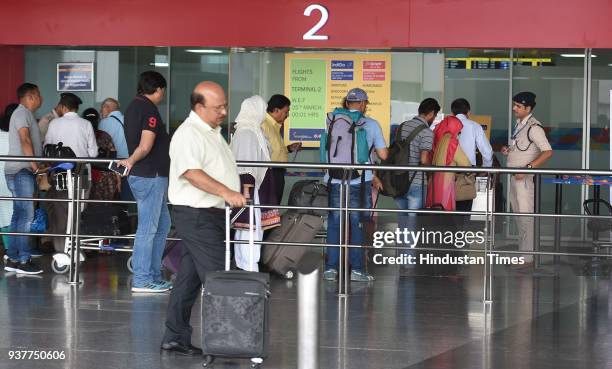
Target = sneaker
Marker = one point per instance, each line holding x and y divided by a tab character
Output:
28	268
10	265
164	284
150	288
360	276
330	275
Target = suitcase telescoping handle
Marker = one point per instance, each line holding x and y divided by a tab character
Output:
229	220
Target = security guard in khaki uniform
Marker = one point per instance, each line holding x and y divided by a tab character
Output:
529	148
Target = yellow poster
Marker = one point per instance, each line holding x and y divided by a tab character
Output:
317	83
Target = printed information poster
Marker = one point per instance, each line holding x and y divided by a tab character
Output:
75	77
317	83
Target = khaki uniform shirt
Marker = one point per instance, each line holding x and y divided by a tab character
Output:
523	152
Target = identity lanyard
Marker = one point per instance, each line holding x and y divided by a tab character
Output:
517	130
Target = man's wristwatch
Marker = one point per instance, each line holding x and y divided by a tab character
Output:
529	166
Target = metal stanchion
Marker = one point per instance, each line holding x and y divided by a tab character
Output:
488	266
308	311
75	253
536	224
71	214
558	210
344	237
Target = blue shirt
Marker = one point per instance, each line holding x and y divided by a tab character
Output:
114	128
375	138
473	136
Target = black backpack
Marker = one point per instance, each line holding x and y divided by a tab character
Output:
58	151
397	182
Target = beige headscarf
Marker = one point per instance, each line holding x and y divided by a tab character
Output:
249	142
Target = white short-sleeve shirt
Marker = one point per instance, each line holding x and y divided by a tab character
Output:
195	145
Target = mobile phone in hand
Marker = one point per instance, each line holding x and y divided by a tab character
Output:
115	167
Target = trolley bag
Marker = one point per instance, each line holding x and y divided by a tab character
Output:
294	227
235	309
309	193
105	220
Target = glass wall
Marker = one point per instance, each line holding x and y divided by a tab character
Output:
486	77
601	89
483	78
116	72
190	66
414	76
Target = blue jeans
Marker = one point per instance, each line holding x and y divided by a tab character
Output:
412	200
357	229
21	184
151	196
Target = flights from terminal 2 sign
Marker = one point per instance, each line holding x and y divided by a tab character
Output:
75	77
317	83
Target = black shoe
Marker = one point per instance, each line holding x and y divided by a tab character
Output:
177	348
10	265
28	268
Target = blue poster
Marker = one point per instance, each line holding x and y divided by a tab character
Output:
75	77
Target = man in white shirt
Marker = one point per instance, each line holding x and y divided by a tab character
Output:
203	177
71	130
472	137
78	134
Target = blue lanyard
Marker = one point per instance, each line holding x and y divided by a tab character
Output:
515	133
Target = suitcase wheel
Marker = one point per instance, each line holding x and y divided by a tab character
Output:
290	274
129	265
208	360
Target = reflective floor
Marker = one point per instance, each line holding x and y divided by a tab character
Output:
548	320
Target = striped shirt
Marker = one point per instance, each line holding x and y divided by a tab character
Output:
422	142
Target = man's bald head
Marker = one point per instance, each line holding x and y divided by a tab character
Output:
204	91
208	101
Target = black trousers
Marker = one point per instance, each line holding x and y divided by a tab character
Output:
203	250
465	205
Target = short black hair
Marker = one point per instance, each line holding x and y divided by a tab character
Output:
6	118
460	106
278	102
195	99
150	81
24	89
429	105
70	101
92	115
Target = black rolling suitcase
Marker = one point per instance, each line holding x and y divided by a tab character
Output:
235	309
294	228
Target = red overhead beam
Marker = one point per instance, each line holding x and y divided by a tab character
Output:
281	23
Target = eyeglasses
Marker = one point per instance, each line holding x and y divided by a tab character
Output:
218	109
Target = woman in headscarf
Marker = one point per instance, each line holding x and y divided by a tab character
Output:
106	185
250	144
446	152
